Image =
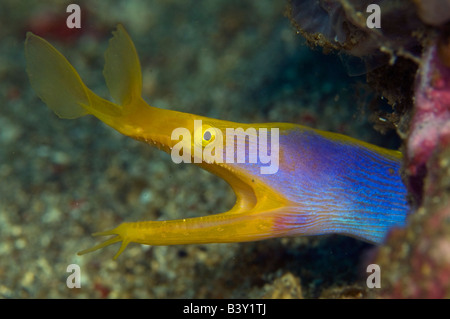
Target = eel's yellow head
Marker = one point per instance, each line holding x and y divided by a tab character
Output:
247	156
232	151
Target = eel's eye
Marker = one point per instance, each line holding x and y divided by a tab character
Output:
208	134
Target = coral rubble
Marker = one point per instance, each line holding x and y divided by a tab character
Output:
412	71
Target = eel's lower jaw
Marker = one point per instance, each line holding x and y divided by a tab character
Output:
118	236
228	227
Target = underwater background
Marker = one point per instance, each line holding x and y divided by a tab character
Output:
62	180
